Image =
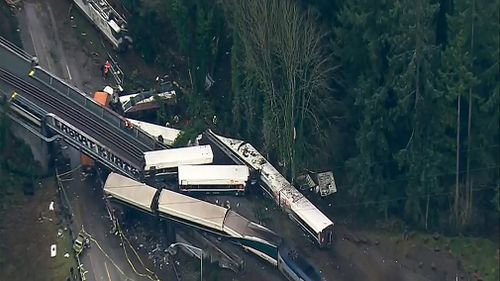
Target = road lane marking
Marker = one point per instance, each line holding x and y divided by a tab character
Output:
107	271
92	265
69	73
32	41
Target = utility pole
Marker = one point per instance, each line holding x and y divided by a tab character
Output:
457	194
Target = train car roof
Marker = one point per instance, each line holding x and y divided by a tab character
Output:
130	191
252	158
187	208
237	225
301	206
308	212
169	134
213	174
114	26
170	158
298	264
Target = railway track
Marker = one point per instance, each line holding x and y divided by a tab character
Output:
15	49
79	117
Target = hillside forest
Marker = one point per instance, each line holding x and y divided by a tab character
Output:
400	99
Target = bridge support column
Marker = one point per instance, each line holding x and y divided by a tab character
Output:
169	228
39	148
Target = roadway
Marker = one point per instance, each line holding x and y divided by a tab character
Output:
106	258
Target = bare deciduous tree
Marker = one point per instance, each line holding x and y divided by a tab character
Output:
285	56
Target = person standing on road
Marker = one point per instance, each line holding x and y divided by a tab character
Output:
107	66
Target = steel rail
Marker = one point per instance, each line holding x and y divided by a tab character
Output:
59	107
87	123
140	146
15	49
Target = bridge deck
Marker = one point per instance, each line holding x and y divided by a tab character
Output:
14	69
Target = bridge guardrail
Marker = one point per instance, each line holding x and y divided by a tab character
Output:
35	108
20	52
107	115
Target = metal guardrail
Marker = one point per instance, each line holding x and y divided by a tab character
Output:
106	114
15	49
77	96
19	99
116	71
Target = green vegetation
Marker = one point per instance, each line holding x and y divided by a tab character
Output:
17	168
26	245
400	99
476	254
17	165
190	133
420	74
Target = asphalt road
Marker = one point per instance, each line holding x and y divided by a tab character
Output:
105	259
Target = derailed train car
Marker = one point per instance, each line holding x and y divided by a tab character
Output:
212	218
111	24
213	178
301	210
167	161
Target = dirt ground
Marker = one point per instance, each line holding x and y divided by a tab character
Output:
27	229
358	254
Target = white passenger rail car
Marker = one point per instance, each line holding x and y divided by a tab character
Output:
130	192
165	135
164	162
213	178
209	217
301	210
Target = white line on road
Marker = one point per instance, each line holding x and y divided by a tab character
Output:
69	73
33	42
107	271
92	266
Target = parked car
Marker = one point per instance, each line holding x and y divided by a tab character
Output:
81	242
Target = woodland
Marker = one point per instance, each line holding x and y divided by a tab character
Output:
400	99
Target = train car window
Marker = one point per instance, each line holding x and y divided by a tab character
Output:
326	236
308	228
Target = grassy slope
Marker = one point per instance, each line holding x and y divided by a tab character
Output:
476	254
26	236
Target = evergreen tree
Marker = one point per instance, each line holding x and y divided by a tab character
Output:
470	68
361	46
412	65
